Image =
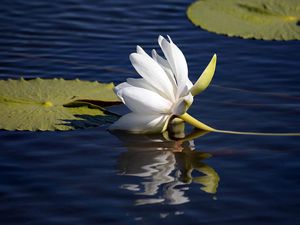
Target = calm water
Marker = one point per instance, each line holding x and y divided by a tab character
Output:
94	177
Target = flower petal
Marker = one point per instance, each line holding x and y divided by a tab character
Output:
177	62
138	123
166	66
182	105
153	74
144	101
119	87
141	83
140	50
144	83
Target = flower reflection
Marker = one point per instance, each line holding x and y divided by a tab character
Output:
165	168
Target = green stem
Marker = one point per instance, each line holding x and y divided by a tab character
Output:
256	133
196	123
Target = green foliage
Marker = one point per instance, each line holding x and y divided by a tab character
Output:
259	19
53	104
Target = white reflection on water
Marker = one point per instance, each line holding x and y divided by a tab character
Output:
165	169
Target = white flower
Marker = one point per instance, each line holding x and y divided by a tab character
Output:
163	91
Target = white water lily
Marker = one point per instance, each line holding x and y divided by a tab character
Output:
163	91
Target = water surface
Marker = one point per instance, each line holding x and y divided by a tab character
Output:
94	177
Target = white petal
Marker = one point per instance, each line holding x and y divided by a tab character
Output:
153	74
186	89
166	66
140	50
120	87
182	105
138	123
144	101
176	60
180	108
189	84
161	61
141	83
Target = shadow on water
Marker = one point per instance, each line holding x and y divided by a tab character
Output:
83	120
165	166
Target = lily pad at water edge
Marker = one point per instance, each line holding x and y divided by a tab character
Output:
53	104
259	19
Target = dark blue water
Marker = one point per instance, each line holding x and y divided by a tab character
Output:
94	177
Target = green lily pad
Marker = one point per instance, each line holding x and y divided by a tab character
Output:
259	19
54	104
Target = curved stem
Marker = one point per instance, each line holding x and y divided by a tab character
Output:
197	124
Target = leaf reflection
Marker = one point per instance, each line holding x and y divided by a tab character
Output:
165	168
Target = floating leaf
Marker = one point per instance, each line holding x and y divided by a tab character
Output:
259	19
56	104
206	77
